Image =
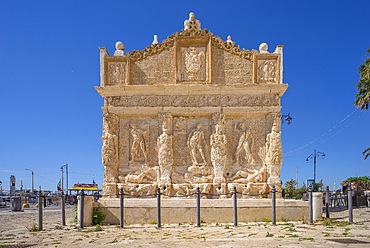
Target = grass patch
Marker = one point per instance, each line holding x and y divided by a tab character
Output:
330	222
293	235
98	228
269	235
326	234
115	240
309	239
153	222
33	228
266	220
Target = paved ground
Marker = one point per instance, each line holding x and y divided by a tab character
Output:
16	230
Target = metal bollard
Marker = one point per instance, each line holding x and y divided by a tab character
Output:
158	207
63	210
235	207
198	207
310	221
40	209
82	201
121	208
350	205
273	192
327	210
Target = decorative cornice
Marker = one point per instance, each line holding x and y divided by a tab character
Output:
137	55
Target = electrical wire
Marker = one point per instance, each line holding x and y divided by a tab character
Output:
326	133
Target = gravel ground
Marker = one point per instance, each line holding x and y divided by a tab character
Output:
16	230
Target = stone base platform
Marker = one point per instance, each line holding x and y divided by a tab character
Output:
174	210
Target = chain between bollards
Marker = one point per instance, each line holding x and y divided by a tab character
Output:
273	192
158	207
198	207
350	205
82	201
310	221
121	208
235	198
40	209
327	210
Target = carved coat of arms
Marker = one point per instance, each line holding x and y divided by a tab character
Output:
194	63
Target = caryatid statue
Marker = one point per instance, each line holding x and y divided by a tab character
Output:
110	148
165	153
218	154
274	152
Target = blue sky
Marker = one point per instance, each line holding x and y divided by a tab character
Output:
49	65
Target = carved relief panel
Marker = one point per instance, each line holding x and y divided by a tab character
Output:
267	72
117	73
192	64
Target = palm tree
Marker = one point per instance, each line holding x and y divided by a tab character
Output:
366	153
363	95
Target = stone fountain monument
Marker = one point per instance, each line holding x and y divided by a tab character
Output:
192	111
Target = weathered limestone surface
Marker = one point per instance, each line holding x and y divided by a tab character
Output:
174	211
192	111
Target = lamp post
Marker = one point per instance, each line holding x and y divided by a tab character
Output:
33	175
286	118
62	169
314	156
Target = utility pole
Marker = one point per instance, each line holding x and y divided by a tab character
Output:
33	182
67	177
296	176
62	169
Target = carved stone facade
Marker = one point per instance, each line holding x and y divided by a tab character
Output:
192	111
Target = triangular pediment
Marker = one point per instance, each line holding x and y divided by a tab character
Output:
191	56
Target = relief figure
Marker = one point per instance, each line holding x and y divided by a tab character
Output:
243	151
250	176
138	143
197	145
145	175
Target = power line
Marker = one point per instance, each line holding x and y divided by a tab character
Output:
326	133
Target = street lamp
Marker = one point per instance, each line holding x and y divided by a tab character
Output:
62	169
33	174
286	118
314	155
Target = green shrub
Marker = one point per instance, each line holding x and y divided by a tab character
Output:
97	216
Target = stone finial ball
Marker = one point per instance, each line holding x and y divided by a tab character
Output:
120	46
263	47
